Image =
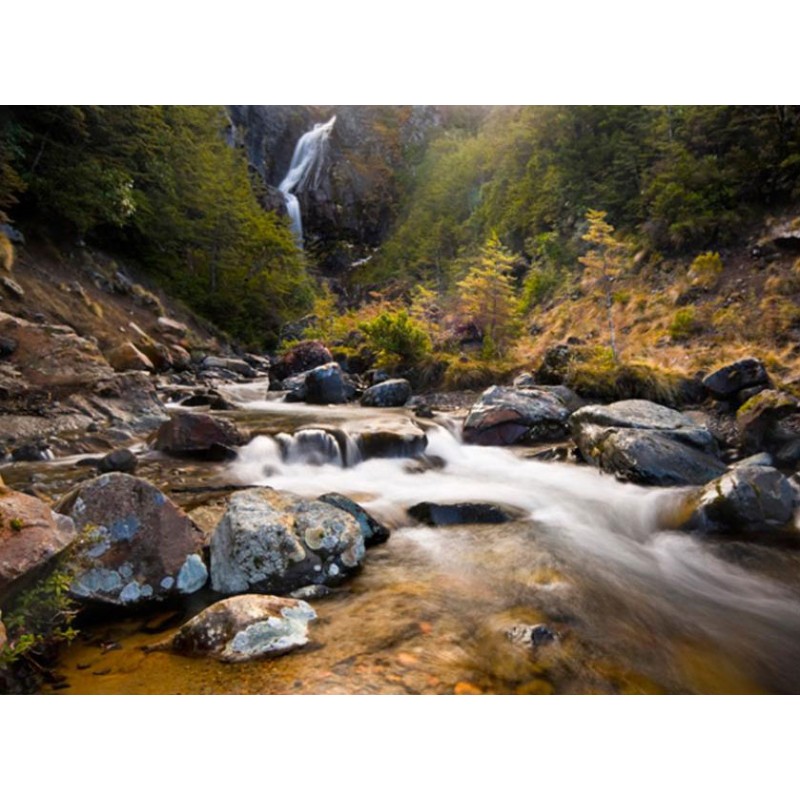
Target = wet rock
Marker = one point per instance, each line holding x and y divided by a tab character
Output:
31	535
732	378
139	546
31	451
461	513
645	443
749	499
122	460
276	542
235	365
770	422
531	635
505	416
311	592
198	436
325	385
301	358
295	388
399	438
244	628
128	357
372	530
211	399
387	394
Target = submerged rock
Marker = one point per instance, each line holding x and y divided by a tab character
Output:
505	416
387	394
31	535
139	546
276	542
244	628
460	513
749	499
531	635
645	443
198	436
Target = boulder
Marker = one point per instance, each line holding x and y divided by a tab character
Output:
387	394
770	422
325	385
181	358
244	628
172	327
645	443
372	530
389	438
301	358
460	513
128	357
295	388
159	354
31	535
732	378
139	545
122	460
749	500
235	365
569	398
275	542
506	416
198	436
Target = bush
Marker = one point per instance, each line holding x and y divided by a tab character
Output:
6	253
468	373
705	271
399	340
684	324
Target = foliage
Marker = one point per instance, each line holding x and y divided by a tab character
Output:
399	340
706	270
463	373
487	297
684	324
6	253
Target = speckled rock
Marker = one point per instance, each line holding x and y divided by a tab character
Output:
373	531
30	536
505	416
646	443
139	545
387	394
198	435
275	542
244	628
749	499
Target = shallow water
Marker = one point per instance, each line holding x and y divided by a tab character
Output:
637	607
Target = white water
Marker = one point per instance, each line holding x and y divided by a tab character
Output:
616	535
305	170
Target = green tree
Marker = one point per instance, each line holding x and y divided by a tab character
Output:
603	263
486	297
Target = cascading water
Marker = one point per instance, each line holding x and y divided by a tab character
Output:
305	170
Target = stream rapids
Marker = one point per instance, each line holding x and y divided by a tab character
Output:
636	606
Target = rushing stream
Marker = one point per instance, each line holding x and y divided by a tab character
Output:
636	607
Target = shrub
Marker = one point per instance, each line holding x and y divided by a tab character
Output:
397	338
684	324
705	271
468	373
6	253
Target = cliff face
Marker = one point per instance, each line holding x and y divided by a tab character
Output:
351	208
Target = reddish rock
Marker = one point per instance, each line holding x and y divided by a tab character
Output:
140	546
30	536
128	357
198	436
300	358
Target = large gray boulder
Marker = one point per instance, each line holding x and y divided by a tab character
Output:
732	378
243	628
137	547
646	443
387	394
325	385
506	416
274	542
748	499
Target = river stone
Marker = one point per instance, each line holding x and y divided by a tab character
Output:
460	513
732	378
122	460
505	416
127	357
325	385
372	530
243	628
198	436
301	358
275	542
646	443
139	545
387	394
30	536
749	499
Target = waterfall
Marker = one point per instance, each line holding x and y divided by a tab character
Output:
305	170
